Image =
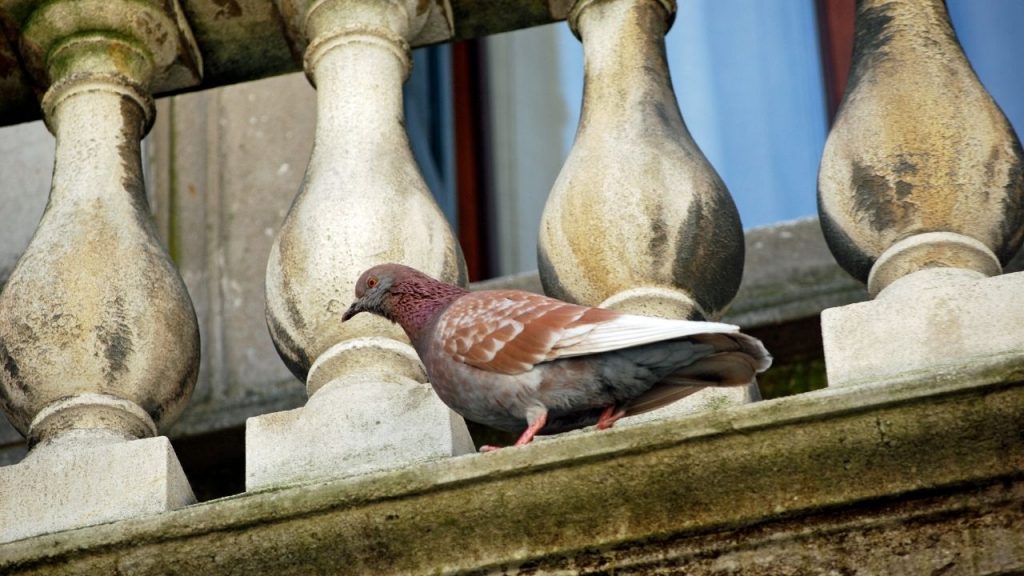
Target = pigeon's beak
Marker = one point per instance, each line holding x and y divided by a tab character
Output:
354	309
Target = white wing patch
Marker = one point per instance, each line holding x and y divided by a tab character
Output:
628	330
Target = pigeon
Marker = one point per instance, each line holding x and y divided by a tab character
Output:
519	361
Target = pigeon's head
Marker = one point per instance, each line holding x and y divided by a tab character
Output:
373	290
403	295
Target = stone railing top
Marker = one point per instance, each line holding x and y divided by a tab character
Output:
244	40
718	485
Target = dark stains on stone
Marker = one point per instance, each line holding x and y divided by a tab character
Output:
115	335
9	365
661	113
1013	208
131	160
227	9
8	64
657	246
549	277
873	34
903	189
290	351
709	252
7	403
886	207
1013	225
172	400
904	167
151	29
455	266
472	18
852	259
547	273
178	396
684	270
293	356
530	567
287	290
668	120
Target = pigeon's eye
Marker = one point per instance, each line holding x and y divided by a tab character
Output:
371	282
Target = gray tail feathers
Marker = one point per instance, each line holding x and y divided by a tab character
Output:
736	361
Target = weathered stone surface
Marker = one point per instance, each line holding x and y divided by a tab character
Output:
930	322
81	485
636	188
55	35
244	40
98	339
94	304
921	168
362	201
898	476
360	424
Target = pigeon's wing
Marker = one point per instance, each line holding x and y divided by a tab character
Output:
510	332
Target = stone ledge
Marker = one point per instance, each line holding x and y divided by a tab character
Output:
677	489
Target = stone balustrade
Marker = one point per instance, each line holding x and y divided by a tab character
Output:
636	189
363	202
98	339
921	198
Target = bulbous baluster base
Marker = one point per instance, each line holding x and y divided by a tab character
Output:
370	408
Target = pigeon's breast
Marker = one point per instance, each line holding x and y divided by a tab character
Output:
491	398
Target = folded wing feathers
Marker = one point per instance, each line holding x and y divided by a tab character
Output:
624	331
510	332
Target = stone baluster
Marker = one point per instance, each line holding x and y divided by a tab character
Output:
363	203
638	220
921	196
99	347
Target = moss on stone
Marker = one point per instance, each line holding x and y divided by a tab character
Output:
825	470
795	378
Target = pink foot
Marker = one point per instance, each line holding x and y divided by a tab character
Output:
609	417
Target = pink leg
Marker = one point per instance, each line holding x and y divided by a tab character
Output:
608	418
532	429
527	436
